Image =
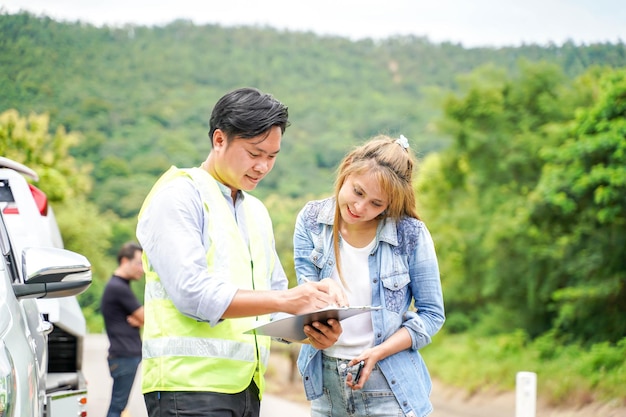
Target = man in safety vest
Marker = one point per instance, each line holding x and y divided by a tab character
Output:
212	271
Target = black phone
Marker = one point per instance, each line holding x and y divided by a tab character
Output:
358	372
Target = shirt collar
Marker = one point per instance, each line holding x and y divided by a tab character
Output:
227	192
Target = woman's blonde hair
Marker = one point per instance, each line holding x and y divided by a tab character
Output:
391	162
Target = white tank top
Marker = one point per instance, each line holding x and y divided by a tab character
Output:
358	333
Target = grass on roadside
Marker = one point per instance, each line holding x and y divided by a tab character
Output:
567	375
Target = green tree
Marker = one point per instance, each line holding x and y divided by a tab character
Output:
579	214
479	197
84	230
527	205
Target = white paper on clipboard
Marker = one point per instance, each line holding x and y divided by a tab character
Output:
290	327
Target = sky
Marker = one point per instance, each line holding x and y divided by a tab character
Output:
472	23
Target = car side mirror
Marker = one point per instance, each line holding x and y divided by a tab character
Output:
52	273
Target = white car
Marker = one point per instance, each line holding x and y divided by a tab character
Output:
39	360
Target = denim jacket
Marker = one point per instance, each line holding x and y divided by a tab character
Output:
403	269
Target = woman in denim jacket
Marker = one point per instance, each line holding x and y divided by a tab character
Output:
386	258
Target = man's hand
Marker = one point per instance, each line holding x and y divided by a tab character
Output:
304	298
134	321
136	318
336	292
315	295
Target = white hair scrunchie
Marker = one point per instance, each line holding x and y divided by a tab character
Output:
402	141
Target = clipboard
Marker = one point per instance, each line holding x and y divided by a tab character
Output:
291	328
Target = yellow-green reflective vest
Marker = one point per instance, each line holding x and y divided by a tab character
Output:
183	354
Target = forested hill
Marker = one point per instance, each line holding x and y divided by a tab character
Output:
521	179
141	96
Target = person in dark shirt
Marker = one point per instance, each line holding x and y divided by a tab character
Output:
123	318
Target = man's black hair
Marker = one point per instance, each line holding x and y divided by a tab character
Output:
247	113
128	251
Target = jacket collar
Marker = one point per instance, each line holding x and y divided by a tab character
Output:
386	232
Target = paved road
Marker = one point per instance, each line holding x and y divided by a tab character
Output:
99	383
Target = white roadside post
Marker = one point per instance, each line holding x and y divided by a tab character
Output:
525	394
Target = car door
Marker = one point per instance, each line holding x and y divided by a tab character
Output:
22	222
18	344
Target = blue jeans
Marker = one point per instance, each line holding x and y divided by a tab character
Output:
123	371
375	399
214	404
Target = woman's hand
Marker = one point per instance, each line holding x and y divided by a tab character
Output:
323	335
369	357
399	341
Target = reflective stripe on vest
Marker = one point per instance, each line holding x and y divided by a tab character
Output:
183	354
